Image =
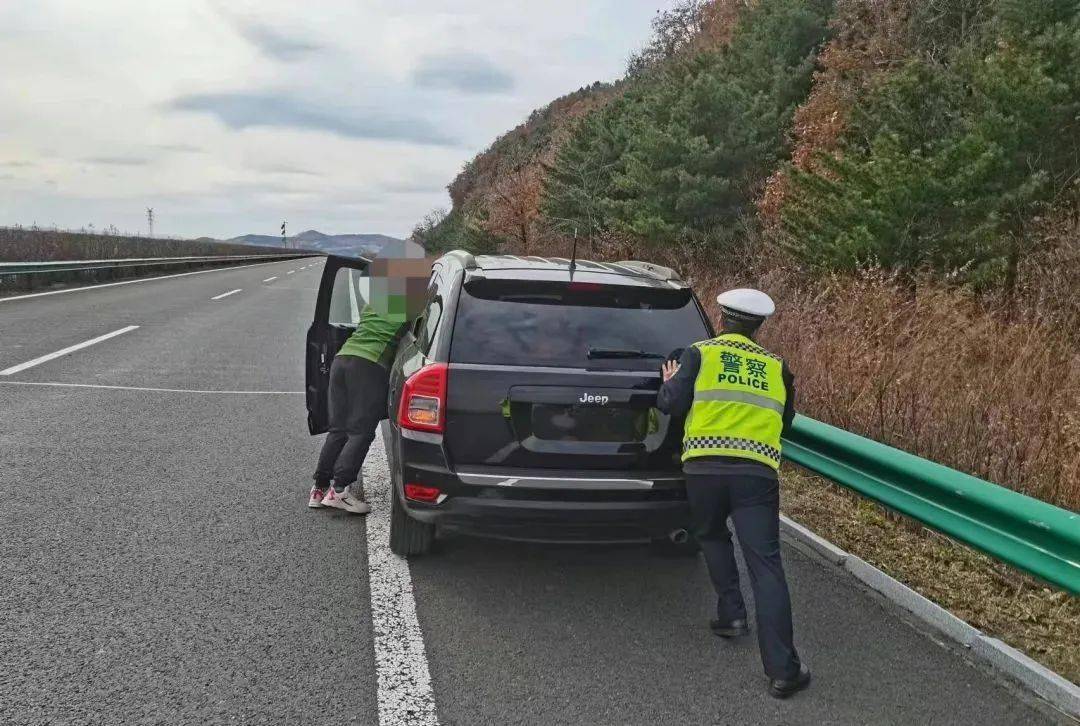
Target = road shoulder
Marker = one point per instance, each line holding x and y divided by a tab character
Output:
1030	678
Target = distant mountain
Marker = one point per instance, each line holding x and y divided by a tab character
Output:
353	244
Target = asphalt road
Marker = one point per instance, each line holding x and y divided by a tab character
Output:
158	565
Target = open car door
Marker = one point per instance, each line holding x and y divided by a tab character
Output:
343	292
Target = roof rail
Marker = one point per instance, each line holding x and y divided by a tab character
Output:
665	273
467	260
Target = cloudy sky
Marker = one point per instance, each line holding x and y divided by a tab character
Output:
227	116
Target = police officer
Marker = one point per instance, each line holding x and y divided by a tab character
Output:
738	398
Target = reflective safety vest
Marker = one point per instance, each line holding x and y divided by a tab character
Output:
738	404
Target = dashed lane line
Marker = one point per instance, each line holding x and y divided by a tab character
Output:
52	384
403	678
290	272
130	282
65	351
271	279
226	294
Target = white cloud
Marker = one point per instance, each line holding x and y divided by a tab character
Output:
340	115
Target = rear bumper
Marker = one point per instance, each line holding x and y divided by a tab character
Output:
556	521
552	507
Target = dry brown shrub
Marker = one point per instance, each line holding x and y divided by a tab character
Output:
936	373
1048	284
718	21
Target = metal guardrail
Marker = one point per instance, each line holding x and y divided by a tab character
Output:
52	266
1024	532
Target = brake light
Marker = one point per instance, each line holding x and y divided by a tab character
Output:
585	286
423	399
421	493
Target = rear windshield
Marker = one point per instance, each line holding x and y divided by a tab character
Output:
546	324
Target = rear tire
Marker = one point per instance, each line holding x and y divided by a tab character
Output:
408	537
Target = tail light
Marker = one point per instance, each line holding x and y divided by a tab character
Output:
421	493
423	400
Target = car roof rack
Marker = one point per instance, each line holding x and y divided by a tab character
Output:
665	273
467	260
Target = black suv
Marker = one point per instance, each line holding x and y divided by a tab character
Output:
523	400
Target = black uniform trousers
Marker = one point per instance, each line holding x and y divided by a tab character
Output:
753	503
357	403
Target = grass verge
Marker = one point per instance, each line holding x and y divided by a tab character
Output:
996	599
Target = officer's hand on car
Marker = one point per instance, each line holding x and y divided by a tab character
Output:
669	369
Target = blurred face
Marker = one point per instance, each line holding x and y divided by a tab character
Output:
399	286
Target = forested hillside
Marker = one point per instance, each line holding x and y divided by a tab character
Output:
903	175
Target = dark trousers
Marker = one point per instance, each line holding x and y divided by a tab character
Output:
753	503
357	404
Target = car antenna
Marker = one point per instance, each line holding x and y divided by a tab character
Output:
573	255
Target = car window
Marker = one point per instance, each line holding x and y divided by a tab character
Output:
429	321
348	297
553	327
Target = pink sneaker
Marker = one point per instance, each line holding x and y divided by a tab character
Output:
315	498
346	500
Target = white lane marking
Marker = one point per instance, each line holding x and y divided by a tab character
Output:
141	388
290	272
130	282
226	294
65	351
404	680
270	279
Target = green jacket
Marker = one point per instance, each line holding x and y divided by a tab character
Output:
377	336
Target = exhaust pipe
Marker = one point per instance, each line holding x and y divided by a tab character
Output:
679	536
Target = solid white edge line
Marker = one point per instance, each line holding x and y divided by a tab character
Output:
270	279
226	294
53	384
131	282
64	351
403	677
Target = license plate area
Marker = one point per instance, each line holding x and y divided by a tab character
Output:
587	421
554	422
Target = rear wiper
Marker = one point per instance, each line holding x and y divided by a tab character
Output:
623	353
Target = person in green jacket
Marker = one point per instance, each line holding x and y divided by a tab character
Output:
359	380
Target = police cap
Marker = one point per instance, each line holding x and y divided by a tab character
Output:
746	304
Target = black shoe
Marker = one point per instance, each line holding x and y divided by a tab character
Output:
729	630
779	688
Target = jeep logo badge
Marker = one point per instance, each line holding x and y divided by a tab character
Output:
593	398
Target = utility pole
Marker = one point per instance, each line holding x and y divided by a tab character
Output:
149	222
284	242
